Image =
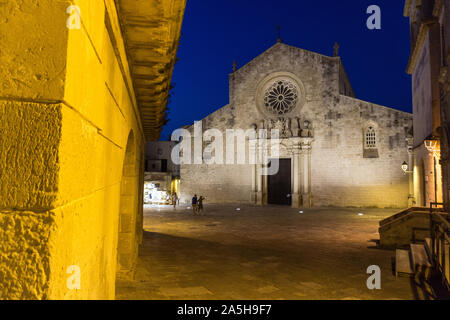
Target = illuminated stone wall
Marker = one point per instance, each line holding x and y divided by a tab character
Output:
425	188
422	102
427	67
340	174
72	151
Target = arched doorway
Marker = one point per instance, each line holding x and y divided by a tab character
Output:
127	242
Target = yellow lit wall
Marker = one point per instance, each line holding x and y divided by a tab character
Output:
95	130
175	186
424	184
71	156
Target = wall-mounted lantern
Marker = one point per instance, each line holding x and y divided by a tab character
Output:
405	167
429	144
432	145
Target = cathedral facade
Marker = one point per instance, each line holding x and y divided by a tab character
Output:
334	149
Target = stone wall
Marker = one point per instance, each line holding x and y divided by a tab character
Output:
340	173
66	114
422	104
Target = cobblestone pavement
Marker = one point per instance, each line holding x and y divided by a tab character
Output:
270	252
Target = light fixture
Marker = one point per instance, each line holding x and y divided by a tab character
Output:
404	166
432	144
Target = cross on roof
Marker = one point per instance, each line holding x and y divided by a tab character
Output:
279	34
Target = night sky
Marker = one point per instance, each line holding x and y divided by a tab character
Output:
217	32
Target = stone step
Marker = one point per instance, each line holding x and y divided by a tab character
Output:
403	262
421	262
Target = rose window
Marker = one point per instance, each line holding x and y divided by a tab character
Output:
281	97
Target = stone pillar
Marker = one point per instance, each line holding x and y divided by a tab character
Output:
259	174
306	168
296	190
265	189
254	167
264	177
411	198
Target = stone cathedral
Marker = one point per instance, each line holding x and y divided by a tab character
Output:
335	150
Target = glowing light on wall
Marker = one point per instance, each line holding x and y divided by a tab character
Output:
153	195
405	167
433	146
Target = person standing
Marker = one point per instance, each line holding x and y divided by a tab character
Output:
200	204
194	204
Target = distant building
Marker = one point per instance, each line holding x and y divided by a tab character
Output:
161	173
428	66
158	157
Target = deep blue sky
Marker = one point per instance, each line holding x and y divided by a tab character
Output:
216	32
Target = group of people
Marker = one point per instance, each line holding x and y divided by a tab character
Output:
197	204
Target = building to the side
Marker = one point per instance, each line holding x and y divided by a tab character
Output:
83	85
426	231
334	149
443	12
428	65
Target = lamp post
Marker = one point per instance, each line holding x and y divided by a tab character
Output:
411	186
406	166
406	169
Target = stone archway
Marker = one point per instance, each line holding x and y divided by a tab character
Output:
127	244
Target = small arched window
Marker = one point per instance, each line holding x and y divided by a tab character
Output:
370	139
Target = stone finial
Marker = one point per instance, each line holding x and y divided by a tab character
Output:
279	34
234	66
336	49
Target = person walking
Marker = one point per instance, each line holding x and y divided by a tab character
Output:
200	204
194	204
174	199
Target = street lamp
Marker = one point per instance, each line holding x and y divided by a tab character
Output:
405	167
431	145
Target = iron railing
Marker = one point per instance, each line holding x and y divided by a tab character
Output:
440	242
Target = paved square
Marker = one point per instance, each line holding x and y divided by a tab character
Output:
269	252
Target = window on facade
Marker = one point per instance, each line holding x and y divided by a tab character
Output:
281	97
370	138
163	165
370	143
